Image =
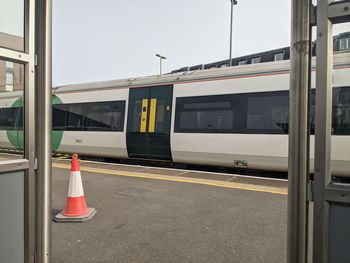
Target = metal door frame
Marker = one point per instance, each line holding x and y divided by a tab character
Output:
328	13
300	189
27	163
36	161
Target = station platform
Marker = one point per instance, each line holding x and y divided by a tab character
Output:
148	214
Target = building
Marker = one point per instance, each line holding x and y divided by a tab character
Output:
11	74
341	43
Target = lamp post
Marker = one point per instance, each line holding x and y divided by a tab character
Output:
233	2
160	63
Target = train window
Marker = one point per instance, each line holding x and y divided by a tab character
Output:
256	60
136	120
344	43
102	116
267	112
11	118
7	118
75	117
19	118
207	114
341	111
59	112
261	113
96	116
160	122
207	105
279	56
206	120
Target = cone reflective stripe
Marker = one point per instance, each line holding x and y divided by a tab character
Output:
76	204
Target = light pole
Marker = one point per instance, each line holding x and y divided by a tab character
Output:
233	2
160	63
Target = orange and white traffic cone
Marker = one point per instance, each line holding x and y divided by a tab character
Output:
76	209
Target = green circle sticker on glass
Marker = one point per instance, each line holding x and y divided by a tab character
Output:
15	135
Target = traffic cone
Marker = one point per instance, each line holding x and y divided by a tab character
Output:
76	209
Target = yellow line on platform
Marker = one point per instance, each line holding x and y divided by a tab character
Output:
190	180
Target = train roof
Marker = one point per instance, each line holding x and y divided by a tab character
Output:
340	59
195	75
11	95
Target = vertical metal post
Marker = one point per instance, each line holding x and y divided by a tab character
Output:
324	63
30	129
233	2
44	124
160	65
298	133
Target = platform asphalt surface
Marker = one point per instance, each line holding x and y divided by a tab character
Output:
143	219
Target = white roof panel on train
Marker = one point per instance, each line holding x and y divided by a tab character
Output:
340	59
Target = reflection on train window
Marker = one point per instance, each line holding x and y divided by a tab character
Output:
101	116
11	118
160	116
217	113
268	111
59	113
341	111
7	118
208	105
312	112
75	117
136	120
11	99
96	116
206	120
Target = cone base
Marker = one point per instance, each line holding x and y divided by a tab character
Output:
75	206
69	219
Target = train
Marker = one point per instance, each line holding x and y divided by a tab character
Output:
235	117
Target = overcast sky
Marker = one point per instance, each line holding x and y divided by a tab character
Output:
11	17
113	39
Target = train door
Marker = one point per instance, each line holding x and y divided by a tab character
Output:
149	119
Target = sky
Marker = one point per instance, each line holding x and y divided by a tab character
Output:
11	17
114	39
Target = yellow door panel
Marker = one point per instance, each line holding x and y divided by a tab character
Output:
152	115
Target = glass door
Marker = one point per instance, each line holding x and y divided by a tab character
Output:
17	131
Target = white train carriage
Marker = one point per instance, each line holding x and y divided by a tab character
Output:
244	119
91	123
233	117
